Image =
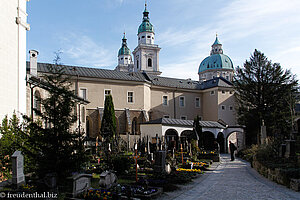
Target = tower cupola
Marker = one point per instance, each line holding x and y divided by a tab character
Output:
146	30
124	54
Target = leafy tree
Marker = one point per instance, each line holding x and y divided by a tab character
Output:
264	91
53	145
108	124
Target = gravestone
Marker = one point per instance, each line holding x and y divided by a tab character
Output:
107	179
263	133
168	168
290	148
160	161
18	177
81	183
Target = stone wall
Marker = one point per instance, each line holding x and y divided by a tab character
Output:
277	175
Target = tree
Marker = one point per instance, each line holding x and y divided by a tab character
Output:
198	129
108	124
264	91
53	145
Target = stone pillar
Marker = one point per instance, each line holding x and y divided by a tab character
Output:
18	177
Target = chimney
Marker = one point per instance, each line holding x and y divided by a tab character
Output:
33	62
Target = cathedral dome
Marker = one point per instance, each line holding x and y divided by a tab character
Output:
216	61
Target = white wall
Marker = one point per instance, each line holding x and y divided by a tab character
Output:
13	26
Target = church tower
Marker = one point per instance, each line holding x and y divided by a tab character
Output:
125	62
146	54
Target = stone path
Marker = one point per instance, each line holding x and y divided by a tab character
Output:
232	180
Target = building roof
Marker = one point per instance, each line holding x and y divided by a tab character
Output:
137	76
216	41
216	61
190	123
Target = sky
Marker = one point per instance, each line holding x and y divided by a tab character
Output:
89	33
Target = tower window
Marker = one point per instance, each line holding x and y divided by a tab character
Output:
148	36
149	62
137	64
143	36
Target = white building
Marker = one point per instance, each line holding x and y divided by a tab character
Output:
13	26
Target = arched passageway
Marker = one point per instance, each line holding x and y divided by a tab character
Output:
185	138
209	139
171	136
237	138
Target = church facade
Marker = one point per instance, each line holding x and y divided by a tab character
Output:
140	94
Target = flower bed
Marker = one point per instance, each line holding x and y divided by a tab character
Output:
189	170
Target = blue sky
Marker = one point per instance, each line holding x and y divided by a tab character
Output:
89	32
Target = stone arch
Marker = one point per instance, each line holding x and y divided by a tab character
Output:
185	138
237	138
134	126
171	136
221	141
209	139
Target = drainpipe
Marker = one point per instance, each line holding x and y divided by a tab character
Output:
174	101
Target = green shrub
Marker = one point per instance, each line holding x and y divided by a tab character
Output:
121	164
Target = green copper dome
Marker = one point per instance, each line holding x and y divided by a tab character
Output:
146	26
215	61
124	50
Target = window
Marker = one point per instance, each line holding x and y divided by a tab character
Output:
212	92
107	92
137	64
37	101
230	107
166	116
149	62
165	100
223	91
227	78
181	101
197	102
143	36
130	97
223	107
148	36
183	117
230	92
82	93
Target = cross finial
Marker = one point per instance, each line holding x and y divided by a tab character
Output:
216	34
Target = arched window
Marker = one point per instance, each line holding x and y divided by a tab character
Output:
137	64
149	62
134	129
37	101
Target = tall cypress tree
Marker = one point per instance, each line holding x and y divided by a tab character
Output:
264	91
108	124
